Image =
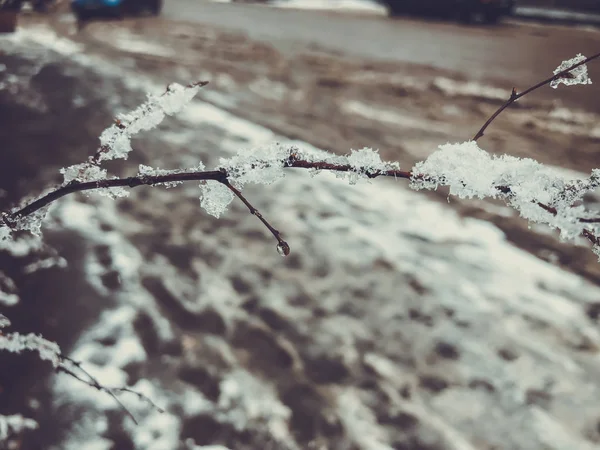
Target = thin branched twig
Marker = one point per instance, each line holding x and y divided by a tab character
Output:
514	96
93	382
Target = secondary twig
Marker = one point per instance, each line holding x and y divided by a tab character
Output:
282	246
514	96
93	382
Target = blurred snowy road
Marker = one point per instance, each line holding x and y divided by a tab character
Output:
509	52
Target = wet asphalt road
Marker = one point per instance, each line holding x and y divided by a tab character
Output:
519	54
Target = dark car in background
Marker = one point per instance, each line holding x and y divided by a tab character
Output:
86	9
489	11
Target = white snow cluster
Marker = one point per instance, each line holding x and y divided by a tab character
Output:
365	162
82	173
4	322
5	233
578	75
265	165
215	198
262	165
470	172
15	424
147	171
18	343
115	140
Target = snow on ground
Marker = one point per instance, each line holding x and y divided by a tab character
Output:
557	14
379	276
346	5
363	6
129	42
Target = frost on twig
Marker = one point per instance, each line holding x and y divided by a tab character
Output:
18	343
537	192
578	75
50	351
115	140
573	70
4	322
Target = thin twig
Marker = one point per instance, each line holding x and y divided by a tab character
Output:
141	396
140	180
282	246
514	96
93	382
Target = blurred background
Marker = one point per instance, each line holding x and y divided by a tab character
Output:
401	319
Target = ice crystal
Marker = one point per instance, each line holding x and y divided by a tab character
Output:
262	165
82	173
5	233
4	322
525	184
113	192
147	171
578	75
596	250
32	222
115	140
365	162
215	198
17	343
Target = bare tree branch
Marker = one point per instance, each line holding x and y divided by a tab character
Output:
514	96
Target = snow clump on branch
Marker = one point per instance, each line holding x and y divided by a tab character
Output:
539	193
115	141
578	75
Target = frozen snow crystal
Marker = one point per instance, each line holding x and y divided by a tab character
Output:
17	343
579	75
4	322
90	172
82	173
472	172
524	184
15	424
147	171
113	192
215	198
115	140
596	250
32	222
262	165
5	233
365	162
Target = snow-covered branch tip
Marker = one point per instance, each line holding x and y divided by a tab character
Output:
570	72
539	194
50	351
